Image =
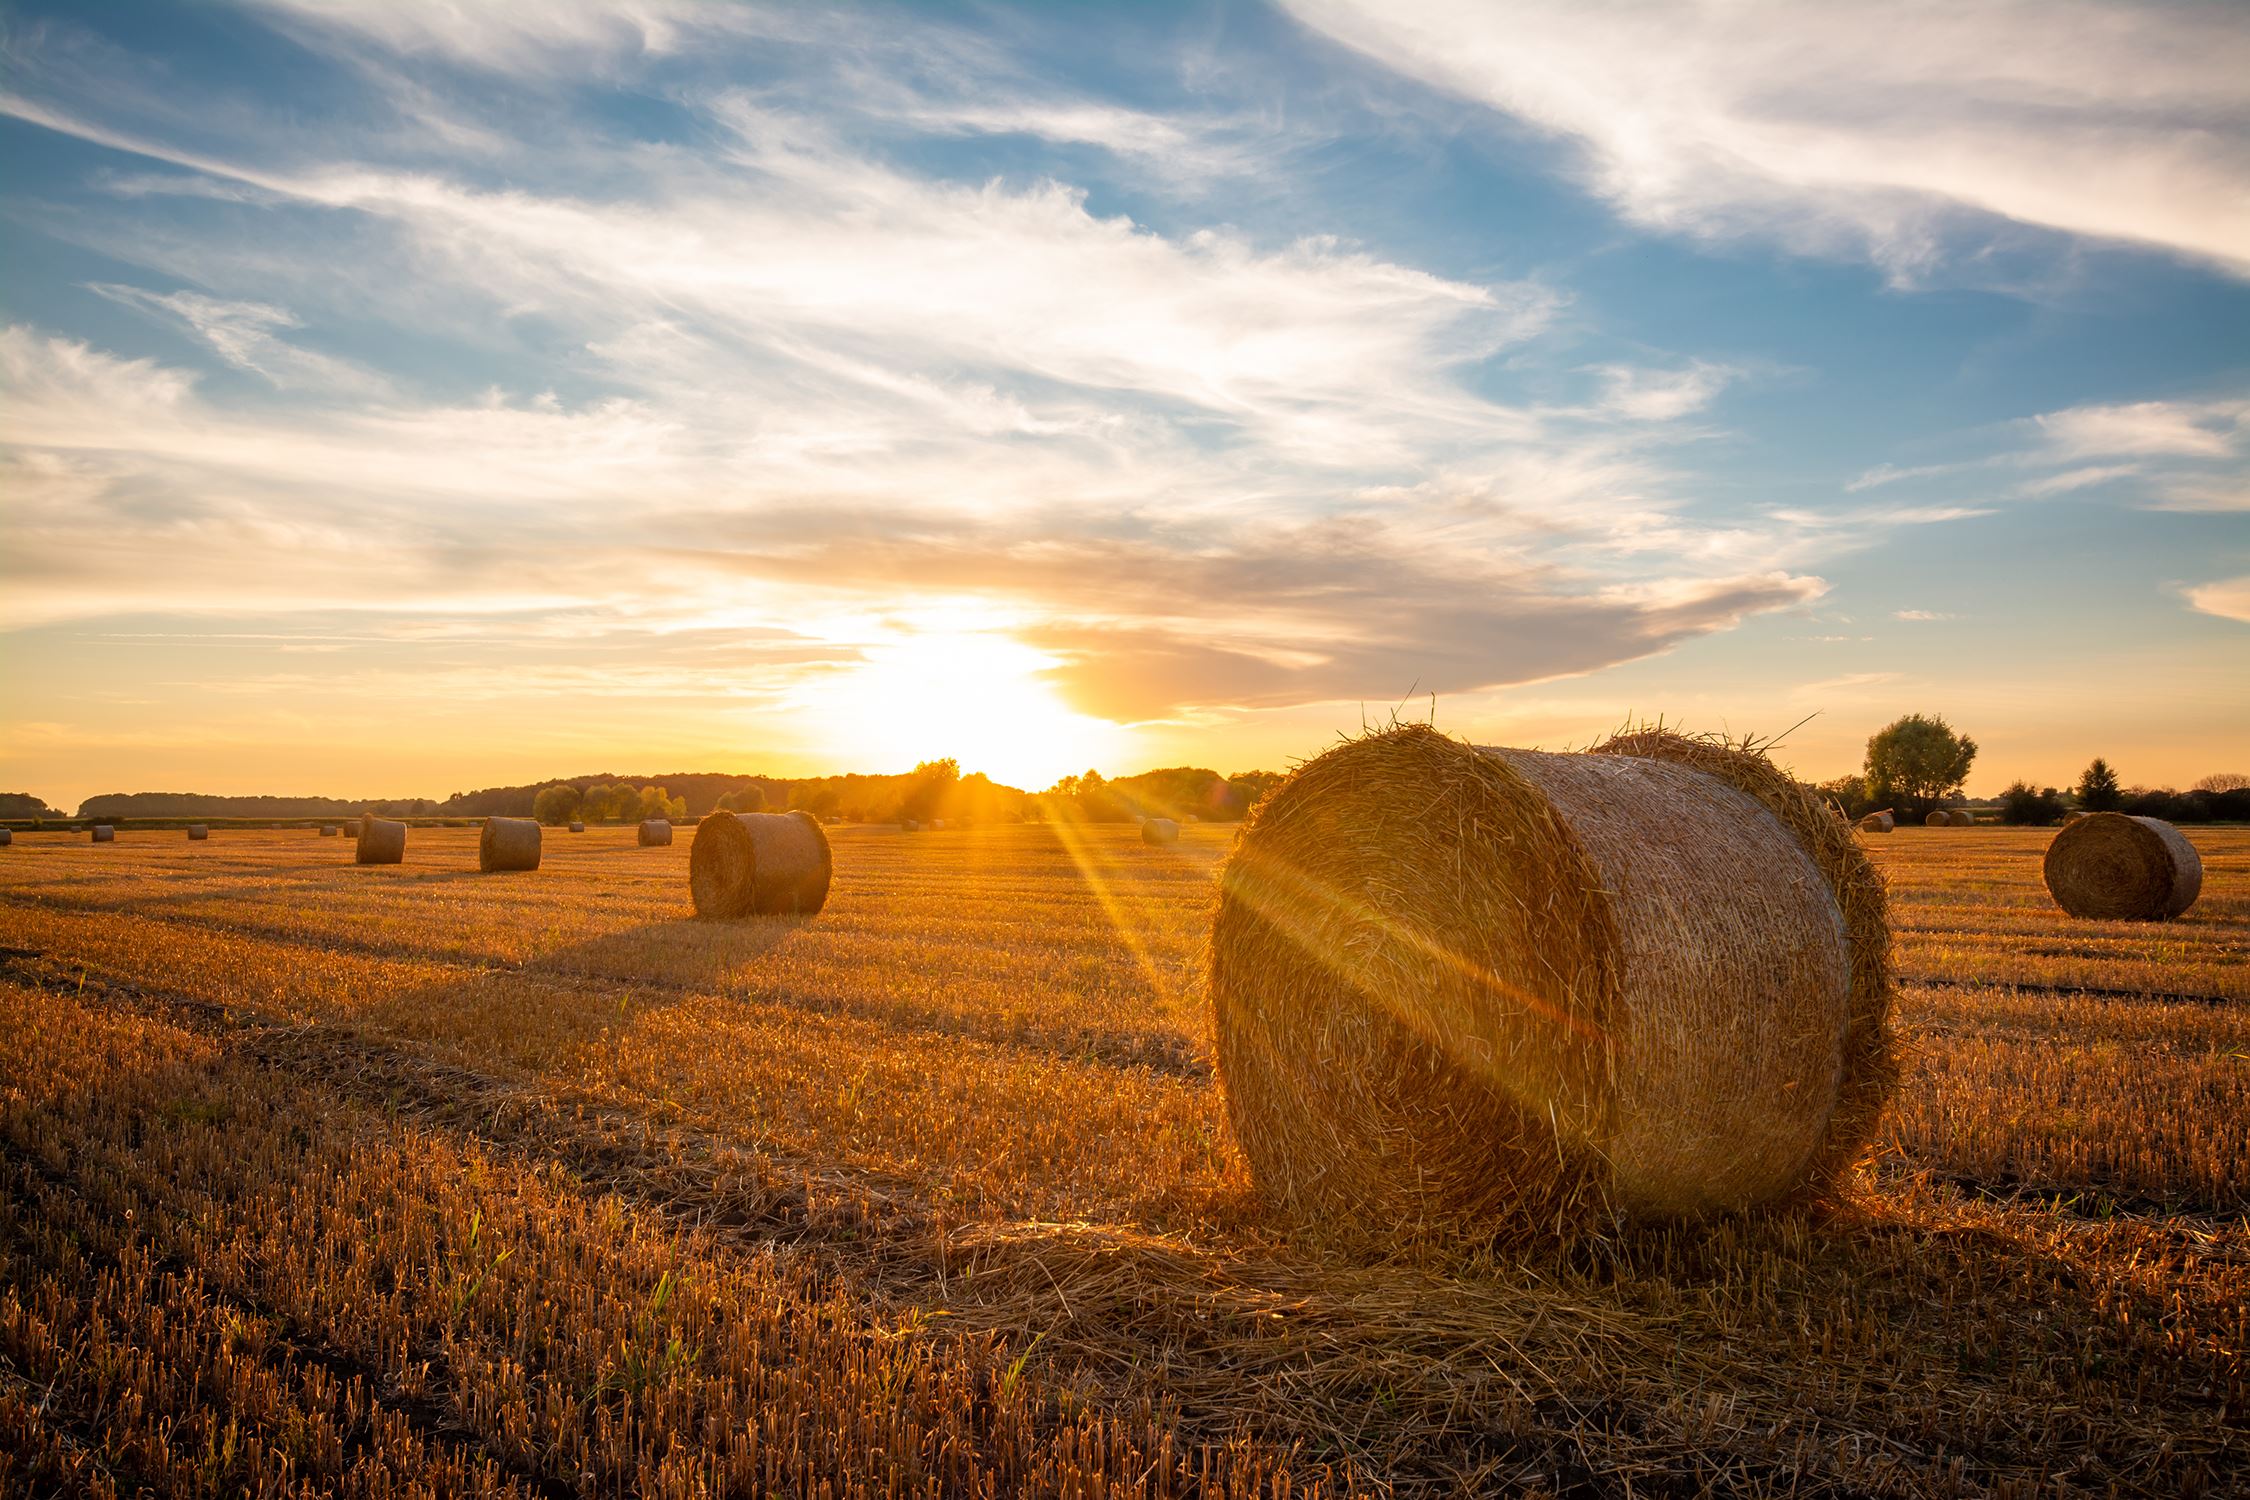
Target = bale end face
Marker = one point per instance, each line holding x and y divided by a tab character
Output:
759	864
382	841
508	844
1159	831
2110	867
1577	1020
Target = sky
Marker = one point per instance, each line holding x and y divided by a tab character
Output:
405	396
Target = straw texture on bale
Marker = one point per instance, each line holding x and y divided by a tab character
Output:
577	828
2111	866
104	834
759	864
1501	991
1963	818
382	841
1160	831
655	833
198	831
508	844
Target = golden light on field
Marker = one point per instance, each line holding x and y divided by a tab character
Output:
977	696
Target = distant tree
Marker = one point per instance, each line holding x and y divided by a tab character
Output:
1248	788
2097	788
25	805
1848	793
557	804
2028	806
744	799
1917	762
928	789
2225	781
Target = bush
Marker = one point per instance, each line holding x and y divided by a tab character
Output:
556	805
2028	806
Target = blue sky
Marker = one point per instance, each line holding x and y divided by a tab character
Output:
672	384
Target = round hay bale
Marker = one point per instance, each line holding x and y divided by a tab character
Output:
198	832
1879	822
1500	990
1159	831
577	828
327	830
908	825
2110	866
656	833
759	864
1192	818
508	844
1964	818
938	824
104	834
7	837
382	841
1937	817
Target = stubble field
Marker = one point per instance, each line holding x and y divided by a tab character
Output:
409	1180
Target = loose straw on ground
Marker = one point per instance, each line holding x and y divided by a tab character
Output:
1502	990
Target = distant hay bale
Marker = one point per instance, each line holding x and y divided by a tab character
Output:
1964	818
382	841
1879	822
576	827
938	824
508	844
656	833
1159	831
830	821
1501	990
327	830
198	831
2110	866
1937	817
908	825
104	834
1192	818
759	864
351	828
7	837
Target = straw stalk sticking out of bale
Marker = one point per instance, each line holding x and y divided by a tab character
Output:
2108	865
759	864
382	841
655	833
1159	831
1499	990
508	844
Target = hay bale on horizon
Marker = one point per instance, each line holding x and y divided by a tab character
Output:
1964	818
328	830
198	831
656	833
908	825
508	844
1937	817
577	827
1465	987
7	837
1159	831
2110	866
1878	822
759	864
937	825
104	834
382	841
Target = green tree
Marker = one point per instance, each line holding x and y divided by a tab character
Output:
2026	805
2097	788
557	804
1916	763
1848	793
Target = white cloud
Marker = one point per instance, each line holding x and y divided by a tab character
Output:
1919	614
2172	429
2228	598
1831	124
1649	395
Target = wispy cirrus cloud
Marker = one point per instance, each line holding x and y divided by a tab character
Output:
1895	131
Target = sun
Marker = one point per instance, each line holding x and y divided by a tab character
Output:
976	696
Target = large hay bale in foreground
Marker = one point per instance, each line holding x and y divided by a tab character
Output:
382	841
1502	990
2108	865
1159	831
656	833
508	844
104	834
197	832
759	864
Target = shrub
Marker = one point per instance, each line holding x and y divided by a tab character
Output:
2028	806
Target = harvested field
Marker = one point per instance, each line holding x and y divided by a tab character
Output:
386	1178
